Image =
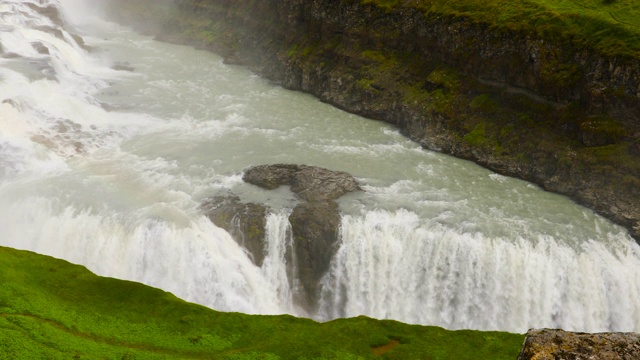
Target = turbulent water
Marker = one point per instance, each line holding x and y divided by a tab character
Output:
106	152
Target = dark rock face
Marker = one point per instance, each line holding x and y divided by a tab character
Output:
315	228
547	344
309	183
244	221
271	176
50	12
315	223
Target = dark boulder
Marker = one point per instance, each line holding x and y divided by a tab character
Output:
270	176
244	221
548	344
310	183
40	48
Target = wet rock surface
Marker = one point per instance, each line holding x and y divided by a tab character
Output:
309	183
244	221
548	344
315	228
315	222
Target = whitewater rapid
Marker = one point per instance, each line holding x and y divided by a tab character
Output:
109	142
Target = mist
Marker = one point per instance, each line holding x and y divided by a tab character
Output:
149	16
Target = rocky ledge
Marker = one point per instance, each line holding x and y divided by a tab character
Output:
548	344
315	222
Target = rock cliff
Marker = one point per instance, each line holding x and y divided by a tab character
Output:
548	111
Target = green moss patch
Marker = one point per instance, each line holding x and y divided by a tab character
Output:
611	27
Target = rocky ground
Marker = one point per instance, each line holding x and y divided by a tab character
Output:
548	344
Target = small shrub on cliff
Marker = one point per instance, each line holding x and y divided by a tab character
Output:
484	103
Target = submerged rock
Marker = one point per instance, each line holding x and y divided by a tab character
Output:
123	66
244	221
548	344
49	11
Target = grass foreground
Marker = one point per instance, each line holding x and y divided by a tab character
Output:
51	309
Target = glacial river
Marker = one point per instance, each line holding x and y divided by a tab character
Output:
106	153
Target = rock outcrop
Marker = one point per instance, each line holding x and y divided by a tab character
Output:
244	221
547	344
309	183
315	228
315	222
547	110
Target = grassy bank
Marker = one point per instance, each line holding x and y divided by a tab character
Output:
611	27
51	309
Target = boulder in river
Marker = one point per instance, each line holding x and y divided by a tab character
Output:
309	183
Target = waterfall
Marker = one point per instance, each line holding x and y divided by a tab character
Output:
393	265
106	166
275	268
67	189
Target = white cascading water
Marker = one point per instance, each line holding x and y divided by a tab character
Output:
67	190
106	153
396	266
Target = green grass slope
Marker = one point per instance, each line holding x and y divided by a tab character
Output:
611	27
51	309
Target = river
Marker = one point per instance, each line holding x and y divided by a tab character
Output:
106	153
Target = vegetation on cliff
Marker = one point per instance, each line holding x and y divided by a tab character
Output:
609	26
52	309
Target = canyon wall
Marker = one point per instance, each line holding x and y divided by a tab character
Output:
547	111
